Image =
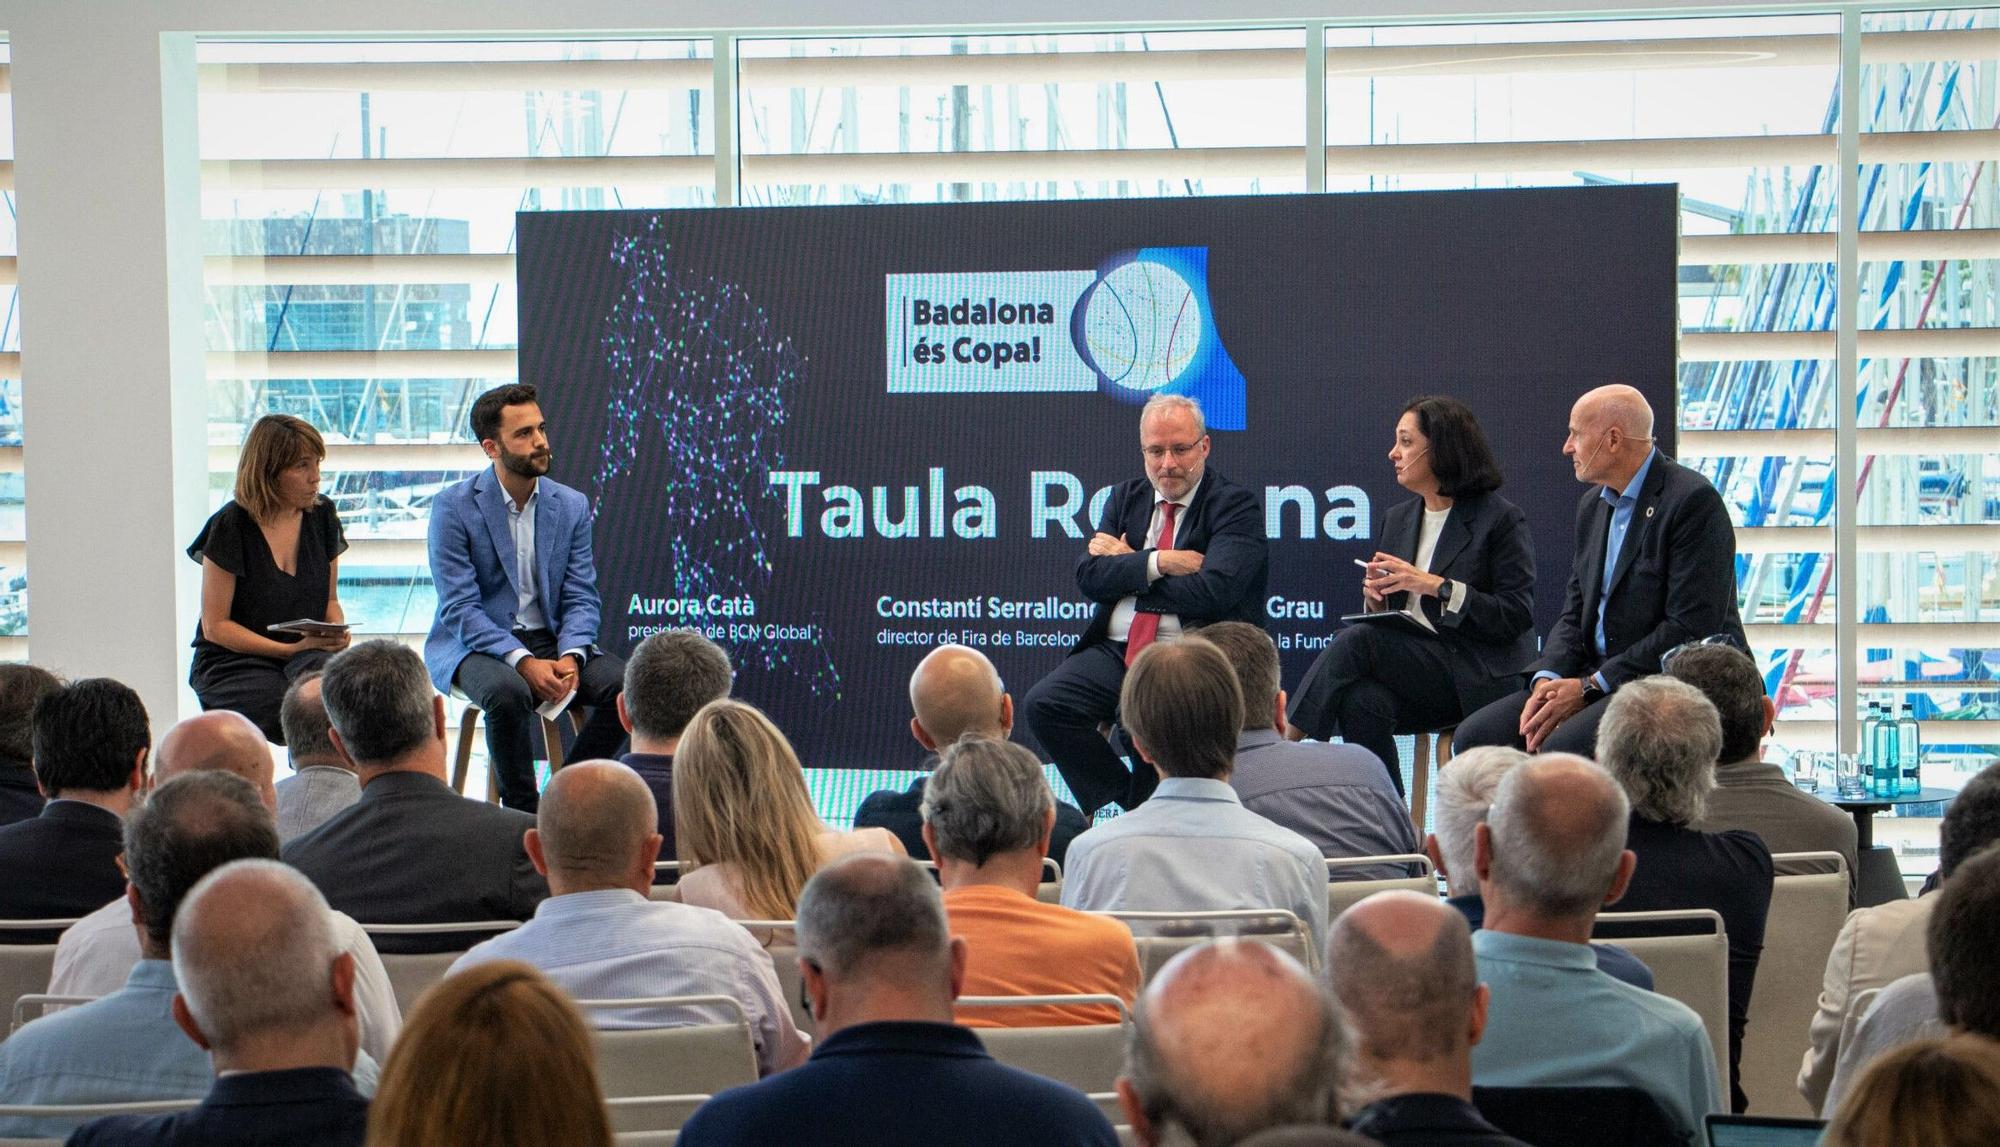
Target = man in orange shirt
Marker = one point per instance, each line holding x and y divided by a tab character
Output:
988	812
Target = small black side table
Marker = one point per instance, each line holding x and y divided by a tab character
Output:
1880	879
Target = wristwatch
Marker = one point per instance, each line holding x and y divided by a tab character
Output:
1591	693
1444	592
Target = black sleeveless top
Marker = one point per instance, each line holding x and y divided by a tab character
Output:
265	594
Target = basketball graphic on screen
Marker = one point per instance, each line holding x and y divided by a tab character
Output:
1142	325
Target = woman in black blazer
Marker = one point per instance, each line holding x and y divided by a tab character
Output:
1457	557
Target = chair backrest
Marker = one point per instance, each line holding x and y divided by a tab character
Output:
652	1138
1161	936
74	1115
690	1059
1088	1057
36	1005
1050	889
1107	1105
780	939
1126	1136
25	968
1344	894
650	1114
1578	1116
1691	965
31	1143
1807	911
412	972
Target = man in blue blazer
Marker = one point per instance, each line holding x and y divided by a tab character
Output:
517	605
1655	568
1178	549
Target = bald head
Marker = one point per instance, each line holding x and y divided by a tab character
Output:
221	740
1554	837
254	954
1230	1038
597	819
1401	965
956	691
1615	405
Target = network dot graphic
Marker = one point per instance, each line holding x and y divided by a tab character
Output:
1142	325
699	373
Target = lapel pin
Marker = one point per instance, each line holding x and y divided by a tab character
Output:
1649	511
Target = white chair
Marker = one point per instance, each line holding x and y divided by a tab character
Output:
410	973
25	968
779	938
1050	889
1163	935
1420	770
669	891
1126	1136
1808	906
1692	968
1107	1105
77	1114
1344	894
641	1115
1088	1057
35	1005
688	1059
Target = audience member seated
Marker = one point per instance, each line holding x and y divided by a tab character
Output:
1337	795
749	837
1464	794
954	691
1661	738
1960	993
266	990
1401	965
669	678
96	955
598	937
1938	1093
988	812
496	1056
881	970
321	784
90	743
1880	945
1750	794
1551	853
1193	845
1229	1039
126	1046
21	686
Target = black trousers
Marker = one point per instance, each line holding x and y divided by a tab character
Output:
251	685
1064	710
1372	683
1500	724
509	705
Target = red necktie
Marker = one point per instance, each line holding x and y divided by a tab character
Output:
1146	626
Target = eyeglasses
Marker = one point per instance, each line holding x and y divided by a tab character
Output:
1179	451
1726	639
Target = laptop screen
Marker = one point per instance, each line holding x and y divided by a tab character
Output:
1753	1131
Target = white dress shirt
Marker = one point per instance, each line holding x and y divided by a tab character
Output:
97	954
614	944
1191	847
1128	607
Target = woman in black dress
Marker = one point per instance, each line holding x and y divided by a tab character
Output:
267	557
1458	561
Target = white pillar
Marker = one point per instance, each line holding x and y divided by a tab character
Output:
107	168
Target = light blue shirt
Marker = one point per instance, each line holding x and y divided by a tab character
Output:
1193	847
521	522
1339	797
1555	1020
122	1048
614	944
309	798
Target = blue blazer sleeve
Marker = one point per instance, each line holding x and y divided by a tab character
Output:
1233	560
1108	579
460	610
578	604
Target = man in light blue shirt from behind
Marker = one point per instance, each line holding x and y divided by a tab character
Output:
599	937
1550	855
1192	846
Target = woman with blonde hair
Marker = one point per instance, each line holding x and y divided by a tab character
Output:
495	1056
269	556
744	824
1931	1093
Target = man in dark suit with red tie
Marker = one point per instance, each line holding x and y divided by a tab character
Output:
1178	549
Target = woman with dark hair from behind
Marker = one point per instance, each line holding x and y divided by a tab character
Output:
270	555
1457	561
1933	1093
495	1056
